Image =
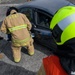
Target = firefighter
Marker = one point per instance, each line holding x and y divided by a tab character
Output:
19	27
62	61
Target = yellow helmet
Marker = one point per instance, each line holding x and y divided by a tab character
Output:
63	25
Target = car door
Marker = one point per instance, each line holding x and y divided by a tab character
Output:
43	34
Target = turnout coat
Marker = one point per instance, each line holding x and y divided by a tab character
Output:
19	27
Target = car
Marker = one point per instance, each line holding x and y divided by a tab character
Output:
40	13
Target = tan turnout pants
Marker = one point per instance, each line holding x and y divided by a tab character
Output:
17	50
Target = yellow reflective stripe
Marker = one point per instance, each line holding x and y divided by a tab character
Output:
64	12
66	21
21	41
13	16
67	34
17	27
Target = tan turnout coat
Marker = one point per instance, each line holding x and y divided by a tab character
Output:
21	35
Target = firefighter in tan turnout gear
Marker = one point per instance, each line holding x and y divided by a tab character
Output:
18	26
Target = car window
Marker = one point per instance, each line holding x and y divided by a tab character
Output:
28	12
43	19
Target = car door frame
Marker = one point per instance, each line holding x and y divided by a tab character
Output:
38	29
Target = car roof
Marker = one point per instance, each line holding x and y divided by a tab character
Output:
50	6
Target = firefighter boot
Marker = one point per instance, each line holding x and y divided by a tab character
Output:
17	54
31	48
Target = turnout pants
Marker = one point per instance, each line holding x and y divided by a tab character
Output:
17	50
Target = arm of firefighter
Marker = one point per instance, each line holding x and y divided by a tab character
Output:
29	26
3	27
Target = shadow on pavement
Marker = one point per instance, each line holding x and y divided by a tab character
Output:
42	48
7	50
24	50
7	69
